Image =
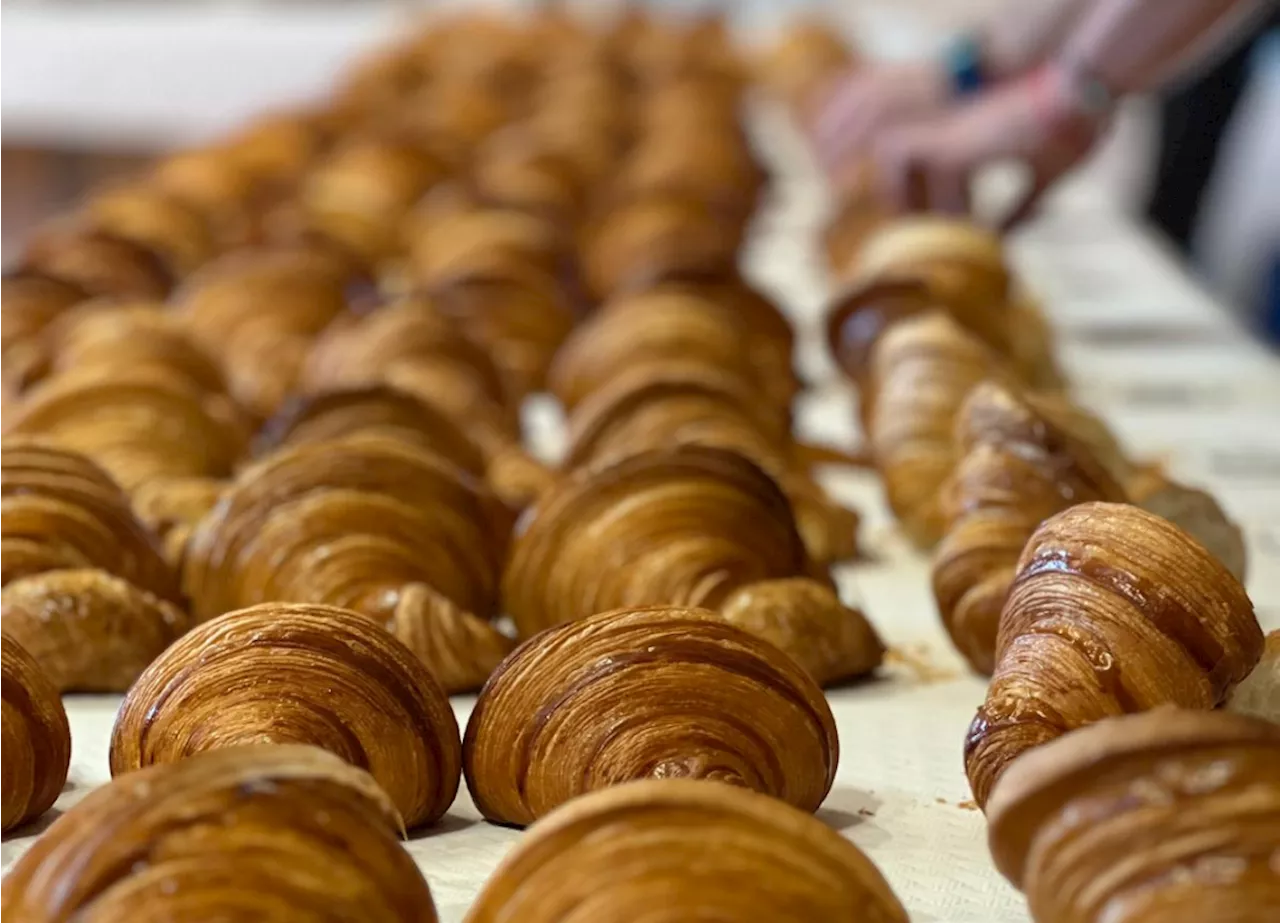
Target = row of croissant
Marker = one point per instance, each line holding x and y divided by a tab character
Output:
1104	599
263	470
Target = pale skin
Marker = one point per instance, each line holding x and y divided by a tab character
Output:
925	144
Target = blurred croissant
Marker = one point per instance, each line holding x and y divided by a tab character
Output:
97	262
1169	815
31	302
62	511
686	403
138	424
688	526
271	833
218	186
88	630
37	738
807	54
1113	610
921	371
551	725
693	849
292	673
1015	469
378	525
262	351
410	346
178	234
658	325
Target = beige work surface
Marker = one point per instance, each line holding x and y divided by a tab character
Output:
1144	346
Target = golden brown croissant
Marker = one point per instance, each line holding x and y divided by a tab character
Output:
63	511
656	237
520	170
686	526
1194	511
1015	469
138	424
89	631
360	523
806	55
37	738
31	301
97	262
156	221
658	325
1169	815
682	849
645	693
921	370
294	673
171	507
263	350
215	184
1113	610
102	339
273	833
665	402
371	410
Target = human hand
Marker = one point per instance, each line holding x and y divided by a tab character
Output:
1040	121
861	103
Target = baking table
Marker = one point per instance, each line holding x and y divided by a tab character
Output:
1147	349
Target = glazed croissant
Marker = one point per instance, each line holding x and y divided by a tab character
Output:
1169	815
62	511
264	832
262	352
37	738
696	850
921	371
1113	610
88	630
688	526
551	724
368	523
1015	469
140	425
670	401
293	673
31	302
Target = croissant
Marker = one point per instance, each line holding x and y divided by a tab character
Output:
1169	815
1113	610
263	832
156	221
656	237
374	410
138	425
682	849
37	738
1016	469
551	724
97	263
1194	511
360	523
276	149
665	402
63	511
217	186
101	340
657	325
921	370
685	526
319	675
89	631
31	301
714	168
517	169
262	351
806	55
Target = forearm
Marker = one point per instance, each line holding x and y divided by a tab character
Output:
1023	37
1133	45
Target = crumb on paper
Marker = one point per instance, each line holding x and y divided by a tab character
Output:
940	800
967	805
915	659
866	812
